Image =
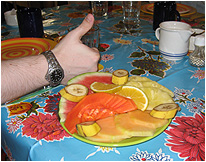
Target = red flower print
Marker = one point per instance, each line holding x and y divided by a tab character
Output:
188	138
44	126
14	124
53	104
107	57
104	45
200	74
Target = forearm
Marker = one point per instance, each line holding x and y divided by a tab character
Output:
21	76
17	76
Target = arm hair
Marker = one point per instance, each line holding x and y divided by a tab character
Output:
21	76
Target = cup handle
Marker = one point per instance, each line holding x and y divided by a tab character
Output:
157	33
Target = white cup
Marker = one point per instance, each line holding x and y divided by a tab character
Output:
11	18
173	39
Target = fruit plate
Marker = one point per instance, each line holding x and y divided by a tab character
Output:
125	142
20	47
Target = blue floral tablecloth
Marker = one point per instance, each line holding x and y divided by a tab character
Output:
34	133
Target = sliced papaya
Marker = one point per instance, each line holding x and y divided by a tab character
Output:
97	106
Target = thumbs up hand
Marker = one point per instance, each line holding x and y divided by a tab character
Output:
75	57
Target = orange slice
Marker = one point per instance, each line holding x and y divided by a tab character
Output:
103	87
137	95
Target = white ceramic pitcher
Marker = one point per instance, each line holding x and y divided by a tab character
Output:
173	39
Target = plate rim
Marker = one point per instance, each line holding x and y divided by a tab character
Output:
8	42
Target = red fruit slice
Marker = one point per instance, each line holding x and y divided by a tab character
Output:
97	106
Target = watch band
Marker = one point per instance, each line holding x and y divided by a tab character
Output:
53	65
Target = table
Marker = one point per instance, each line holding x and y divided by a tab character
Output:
37	133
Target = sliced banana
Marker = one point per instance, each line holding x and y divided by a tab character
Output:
165	111
120	76
88	129
74	92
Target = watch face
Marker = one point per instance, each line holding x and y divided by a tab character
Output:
56	76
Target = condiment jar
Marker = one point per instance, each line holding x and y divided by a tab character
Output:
197	57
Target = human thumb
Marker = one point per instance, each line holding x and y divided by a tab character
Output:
85	26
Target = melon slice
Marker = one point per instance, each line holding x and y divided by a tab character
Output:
86	79
108	132
138	123
65	106
146	119
130	128
122	126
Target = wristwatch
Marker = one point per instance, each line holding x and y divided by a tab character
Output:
55	73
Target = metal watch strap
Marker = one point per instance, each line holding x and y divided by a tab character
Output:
52	65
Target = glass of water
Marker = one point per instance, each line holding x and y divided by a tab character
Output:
131	14
92	37
99	9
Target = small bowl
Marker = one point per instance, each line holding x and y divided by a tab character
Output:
192	39
11	18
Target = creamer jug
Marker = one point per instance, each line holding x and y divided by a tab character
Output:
173	39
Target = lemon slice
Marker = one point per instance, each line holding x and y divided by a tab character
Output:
137	95
103	87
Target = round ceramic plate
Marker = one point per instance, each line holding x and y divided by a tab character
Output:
180	8
126	142
184	10
20	47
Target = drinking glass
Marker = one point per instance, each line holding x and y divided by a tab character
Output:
92	38
131	14
99	8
